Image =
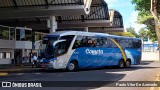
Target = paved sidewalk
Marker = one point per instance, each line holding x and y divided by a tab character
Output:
150	56
157	79
4	71
18	68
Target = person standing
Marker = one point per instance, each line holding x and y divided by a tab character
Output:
34	62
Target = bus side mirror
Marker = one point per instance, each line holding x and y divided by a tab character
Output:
37	44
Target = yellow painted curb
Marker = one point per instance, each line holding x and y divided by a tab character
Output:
3	74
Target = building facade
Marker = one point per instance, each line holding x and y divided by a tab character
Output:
16	44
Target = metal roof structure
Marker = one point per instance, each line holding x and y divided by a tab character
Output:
42	8
116	24
98	16
100	19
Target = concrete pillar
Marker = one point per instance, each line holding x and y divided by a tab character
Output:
22	34
12	54
53	24
86	29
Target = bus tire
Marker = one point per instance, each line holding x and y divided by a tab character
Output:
121	63
72	66
127	63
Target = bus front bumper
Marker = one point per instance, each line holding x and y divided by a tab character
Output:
56	65
53	65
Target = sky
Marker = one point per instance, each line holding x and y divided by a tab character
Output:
126	8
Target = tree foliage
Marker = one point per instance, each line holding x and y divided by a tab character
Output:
132	31
145	16
142	5
127	34
143	33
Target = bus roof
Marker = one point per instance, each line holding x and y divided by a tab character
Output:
63	33
114	36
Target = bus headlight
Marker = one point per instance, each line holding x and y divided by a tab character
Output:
50	62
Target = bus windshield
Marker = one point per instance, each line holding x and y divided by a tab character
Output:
46	47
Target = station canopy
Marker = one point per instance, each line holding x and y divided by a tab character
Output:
42	8
70	14
116	23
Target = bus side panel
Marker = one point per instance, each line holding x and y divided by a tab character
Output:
91	57
107	57
110	57
118	56
84	58
134	55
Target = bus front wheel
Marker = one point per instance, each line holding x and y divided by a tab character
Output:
72	66
121	63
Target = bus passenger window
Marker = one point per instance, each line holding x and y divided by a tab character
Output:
105	42
102	42
136	43
84	42
92	41
111	44
68	39
89	43
78	42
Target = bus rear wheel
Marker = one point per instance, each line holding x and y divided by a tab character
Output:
121	64
72	66
127	64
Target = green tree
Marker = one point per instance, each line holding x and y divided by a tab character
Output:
152	35
149	22
127	34
132	31
149	14
143	33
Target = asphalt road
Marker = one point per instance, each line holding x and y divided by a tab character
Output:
147	71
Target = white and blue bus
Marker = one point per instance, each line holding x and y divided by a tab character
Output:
74	50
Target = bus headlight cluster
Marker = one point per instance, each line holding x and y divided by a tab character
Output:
50	62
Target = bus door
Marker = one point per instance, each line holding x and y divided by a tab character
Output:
60	54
